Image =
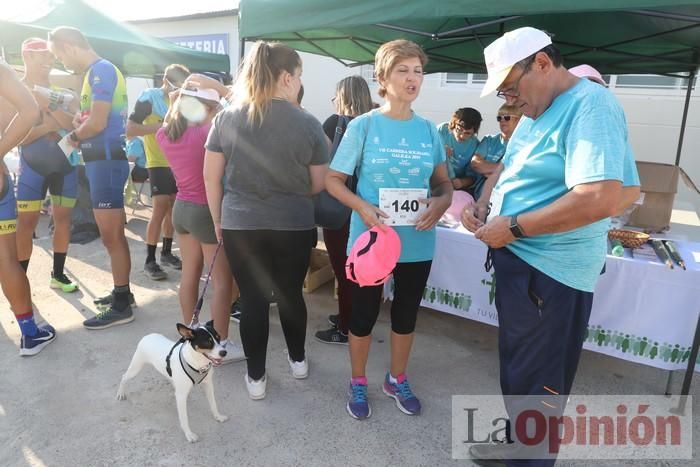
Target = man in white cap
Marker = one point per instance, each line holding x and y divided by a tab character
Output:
549	208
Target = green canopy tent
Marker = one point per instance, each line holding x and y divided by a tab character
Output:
615	36
132	51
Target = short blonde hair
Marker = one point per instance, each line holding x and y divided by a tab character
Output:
510	110
392	52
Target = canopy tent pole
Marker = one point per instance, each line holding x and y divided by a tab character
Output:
688	92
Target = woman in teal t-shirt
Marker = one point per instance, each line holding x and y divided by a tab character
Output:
490	151
394	150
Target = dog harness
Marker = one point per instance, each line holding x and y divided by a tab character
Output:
195	375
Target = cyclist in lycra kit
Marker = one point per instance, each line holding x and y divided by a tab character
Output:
145	120
99	134
43	165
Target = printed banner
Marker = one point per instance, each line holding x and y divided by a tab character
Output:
642	311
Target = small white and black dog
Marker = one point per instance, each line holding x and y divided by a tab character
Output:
186	362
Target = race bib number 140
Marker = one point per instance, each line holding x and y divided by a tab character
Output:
402	205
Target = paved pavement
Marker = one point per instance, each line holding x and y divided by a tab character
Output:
59	408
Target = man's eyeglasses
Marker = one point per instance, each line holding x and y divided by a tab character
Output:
461	129
507	118
513	91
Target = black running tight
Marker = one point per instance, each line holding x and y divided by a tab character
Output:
264	261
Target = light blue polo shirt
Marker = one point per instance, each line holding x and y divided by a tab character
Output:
580	138
391	154
462	152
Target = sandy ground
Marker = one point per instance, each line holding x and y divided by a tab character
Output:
59	408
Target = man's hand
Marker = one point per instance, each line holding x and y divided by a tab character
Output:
474	216
73	142
77	120
496	233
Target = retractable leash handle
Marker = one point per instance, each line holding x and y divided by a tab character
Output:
200	302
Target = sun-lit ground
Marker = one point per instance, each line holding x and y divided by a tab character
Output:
59	408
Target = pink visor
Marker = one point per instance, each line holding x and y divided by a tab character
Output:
587	71
35	45
373	256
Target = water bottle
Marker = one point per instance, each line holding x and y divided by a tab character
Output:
616	248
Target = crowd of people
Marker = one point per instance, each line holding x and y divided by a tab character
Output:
235	169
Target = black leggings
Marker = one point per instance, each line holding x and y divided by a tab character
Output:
409	283
264	261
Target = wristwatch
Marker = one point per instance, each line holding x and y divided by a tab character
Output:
515	228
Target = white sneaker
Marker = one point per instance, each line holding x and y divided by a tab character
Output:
234	353
256	389
300	370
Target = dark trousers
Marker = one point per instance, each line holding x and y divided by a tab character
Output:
409	283
542	326
336	241
264	261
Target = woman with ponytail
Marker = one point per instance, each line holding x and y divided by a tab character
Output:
182	140
272	156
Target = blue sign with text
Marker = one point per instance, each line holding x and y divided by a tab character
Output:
213	43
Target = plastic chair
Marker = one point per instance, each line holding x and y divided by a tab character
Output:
132	191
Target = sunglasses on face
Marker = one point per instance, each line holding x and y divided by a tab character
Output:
461	129
507	118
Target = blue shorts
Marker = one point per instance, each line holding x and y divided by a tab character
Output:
32	186
107	179
8	208
45	157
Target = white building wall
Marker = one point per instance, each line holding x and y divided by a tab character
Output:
653	116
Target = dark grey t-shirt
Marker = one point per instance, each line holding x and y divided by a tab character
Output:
267	185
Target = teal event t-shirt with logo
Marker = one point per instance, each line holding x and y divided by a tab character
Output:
580	138
462	152
492	148
391	153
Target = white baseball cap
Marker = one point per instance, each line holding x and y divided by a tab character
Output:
204	93
509	49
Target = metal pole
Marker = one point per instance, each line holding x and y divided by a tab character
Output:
669	383
689	91
688	378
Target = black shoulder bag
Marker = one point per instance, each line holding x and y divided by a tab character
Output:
328	211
